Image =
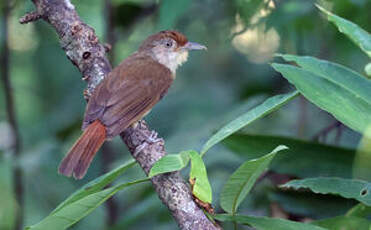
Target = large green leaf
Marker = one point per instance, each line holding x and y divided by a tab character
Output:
268	106
343	223
302	159
266	223
72	212
348	188
241	181
329	95
170	163
358	35
340	75
95	185
309	204
201	187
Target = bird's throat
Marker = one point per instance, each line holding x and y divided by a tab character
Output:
172	60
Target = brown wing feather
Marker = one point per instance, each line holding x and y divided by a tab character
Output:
128	93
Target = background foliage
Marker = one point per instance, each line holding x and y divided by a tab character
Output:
212	89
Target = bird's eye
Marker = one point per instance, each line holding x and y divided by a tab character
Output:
168	44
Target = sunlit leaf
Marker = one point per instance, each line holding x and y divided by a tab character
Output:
358	35
329	95
268	106
241	181
201	187
170	163
348	188
344	222
74	211
266	223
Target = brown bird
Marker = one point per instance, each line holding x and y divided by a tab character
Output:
127	94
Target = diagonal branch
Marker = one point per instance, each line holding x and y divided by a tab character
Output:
84	50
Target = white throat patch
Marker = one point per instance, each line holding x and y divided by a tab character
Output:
171	60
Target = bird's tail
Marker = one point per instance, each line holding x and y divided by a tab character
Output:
83	151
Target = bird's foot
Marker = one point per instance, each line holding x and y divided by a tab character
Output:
140	147
151	139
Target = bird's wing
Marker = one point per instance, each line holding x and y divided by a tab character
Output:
128	93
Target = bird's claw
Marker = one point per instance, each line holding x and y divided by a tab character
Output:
151	139
140	147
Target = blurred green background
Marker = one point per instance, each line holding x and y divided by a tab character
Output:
212	88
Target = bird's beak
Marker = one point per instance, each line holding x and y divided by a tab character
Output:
194	46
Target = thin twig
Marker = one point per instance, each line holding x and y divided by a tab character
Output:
12	118
84	50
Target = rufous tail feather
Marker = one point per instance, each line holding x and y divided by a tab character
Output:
81	154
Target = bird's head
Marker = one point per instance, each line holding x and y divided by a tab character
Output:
170	48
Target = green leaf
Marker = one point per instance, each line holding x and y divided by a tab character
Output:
201	188
266	223
309	204
359	36
268	106
174	162
170	163
348	188
241	181
368	69
360	210
340	75
344	222
362	161
301	159
329	95
95	185
72	212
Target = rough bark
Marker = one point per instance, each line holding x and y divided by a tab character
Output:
84	50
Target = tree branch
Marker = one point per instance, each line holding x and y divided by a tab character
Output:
12	118
84	50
